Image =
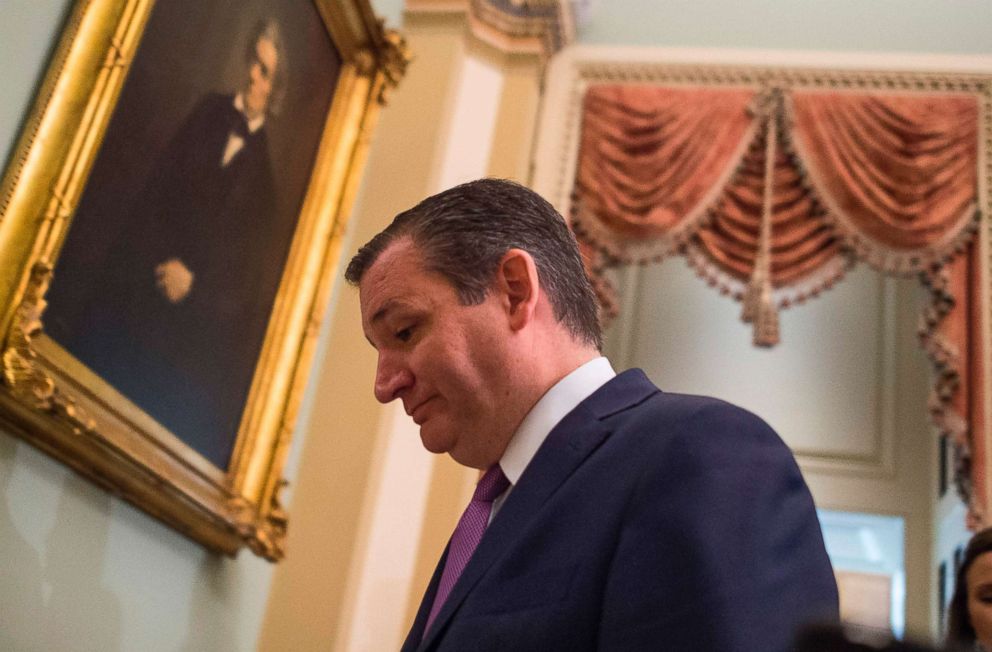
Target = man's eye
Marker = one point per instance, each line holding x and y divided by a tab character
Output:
404	334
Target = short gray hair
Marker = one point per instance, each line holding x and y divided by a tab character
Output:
463	233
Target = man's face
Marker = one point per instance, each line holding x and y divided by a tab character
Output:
261	72
444	360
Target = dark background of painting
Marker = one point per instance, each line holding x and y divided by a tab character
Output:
189	48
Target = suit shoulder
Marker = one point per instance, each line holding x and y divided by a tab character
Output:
688	409
669	419
632	393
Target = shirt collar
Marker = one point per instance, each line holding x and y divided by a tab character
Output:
562	398
254	124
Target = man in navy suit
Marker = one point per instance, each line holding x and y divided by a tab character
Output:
611	516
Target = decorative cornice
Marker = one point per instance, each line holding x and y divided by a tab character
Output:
540	27
395	56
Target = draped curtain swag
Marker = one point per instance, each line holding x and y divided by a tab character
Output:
773	194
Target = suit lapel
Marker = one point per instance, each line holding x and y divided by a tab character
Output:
416	633
567	445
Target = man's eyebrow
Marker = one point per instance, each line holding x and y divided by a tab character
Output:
385	308
377	317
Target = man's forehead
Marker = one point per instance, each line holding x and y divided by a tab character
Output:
388	279
393	263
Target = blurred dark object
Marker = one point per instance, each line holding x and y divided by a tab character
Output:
836	638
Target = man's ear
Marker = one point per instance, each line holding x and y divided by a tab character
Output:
516	278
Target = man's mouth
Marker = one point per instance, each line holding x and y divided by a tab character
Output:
417	412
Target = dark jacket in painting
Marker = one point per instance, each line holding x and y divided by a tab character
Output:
189	363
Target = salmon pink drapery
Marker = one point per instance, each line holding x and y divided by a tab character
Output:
773	194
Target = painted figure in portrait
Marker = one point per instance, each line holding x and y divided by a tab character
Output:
172	308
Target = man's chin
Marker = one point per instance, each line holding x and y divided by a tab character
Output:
434	443
439	443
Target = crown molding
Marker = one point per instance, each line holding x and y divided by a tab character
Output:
536	27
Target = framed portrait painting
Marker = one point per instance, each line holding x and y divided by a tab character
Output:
171	220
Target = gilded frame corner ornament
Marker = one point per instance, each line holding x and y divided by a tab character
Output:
21	373
58	405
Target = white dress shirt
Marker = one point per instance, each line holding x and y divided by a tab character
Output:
234	141
557	402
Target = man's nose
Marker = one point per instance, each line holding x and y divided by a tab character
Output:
391	377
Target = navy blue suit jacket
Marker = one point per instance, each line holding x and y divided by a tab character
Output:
646	521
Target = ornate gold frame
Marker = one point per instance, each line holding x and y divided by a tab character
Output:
59	406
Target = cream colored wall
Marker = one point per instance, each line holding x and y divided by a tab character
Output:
372	509
314	589
83	570
959	27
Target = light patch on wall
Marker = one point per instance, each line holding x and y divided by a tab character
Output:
823	388
473	120
396	516
397	508
132	540
34	481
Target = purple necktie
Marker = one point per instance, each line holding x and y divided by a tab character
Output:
467	534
